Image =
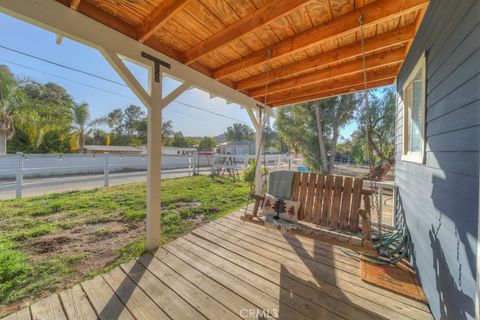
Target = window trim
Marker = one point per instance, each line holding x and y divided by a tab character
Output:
418	157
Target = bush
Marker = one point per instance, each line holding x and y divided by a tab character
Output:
249	172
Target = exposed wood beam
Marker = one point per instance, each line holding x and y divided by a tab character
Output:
378	42
349	81
113	22
105	18
374	61
333	93
373	13
74	4
159	17
251	22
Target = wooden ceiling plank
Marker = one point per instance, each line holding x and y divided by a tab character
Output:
258	18
372	44
373	61
374	13
332	93
159	17
106	18
337	83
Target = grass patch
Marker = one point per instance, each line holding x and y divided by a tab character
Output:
26	224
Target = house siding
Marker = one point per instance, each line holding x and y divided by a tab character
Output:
439	199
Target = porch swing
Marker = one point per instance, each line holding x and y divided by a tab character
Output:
331	206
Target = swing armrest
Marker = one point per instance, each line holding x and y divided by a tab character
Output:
364	214
258	200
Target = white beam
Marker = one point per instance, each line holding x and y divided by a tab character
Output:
252	117
64	21
175	93
58	39
127	76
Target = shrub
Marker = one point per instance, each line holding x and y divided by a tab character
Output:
249	172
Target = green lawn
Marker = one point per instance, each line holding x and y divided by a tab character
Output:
50	242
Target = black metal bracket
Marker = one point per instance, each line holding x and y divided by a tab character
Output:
156	64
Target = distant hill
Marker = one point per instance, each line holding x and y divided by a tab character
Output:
220	138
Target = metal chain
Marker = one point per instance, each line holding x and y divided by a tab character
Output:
260	117
371	160
264	124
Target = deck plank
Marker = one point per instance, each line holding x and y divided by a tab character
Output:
311	243
199	299
320	292
357	296
137	302
297	254
289	241
326	273
217	281
163	296
48	308
23	314
277	285
76	304
106	304
242	287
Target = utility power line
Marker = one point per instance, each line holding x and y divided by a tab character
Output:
98	77
62	66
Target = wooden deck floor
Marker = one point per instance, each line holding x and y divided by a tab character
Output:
229	269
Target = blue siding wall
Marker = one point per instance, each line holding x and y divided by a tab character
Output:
439	199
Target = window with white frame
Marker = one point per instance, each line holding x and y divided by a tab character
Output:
414	92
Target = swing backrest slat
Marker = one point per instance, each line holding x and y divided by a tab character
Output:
326	200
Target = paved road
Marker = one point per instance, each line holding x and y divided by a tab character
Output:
36	187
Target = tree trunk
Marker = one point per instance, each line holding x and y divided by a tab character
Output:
81	140
321	142
3	143
333	151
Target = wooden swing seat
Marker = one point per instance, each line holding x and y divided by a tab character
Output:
332	207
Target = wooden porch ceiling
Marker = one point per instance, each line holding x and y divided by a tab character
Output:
314	44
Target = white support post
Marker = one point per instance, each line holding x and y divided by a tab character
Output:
19	176
106	170
154	176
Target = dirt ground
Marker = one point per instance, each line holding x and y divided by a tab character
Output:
94	244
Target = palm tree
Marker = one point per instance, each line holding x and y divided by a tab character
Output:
83	128
10	100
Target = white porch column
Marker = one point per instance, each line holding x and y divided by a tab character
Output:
154	167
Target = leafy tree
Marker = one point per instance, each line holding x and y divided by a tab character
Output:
11	100
179	141
82	127
43	123
207	144
130	126
239	132
313	128
115	120
381	116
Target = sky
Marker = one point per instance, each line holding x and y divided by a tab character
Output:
104	95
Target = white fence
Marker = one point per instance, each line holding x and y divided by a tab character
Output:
35	174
